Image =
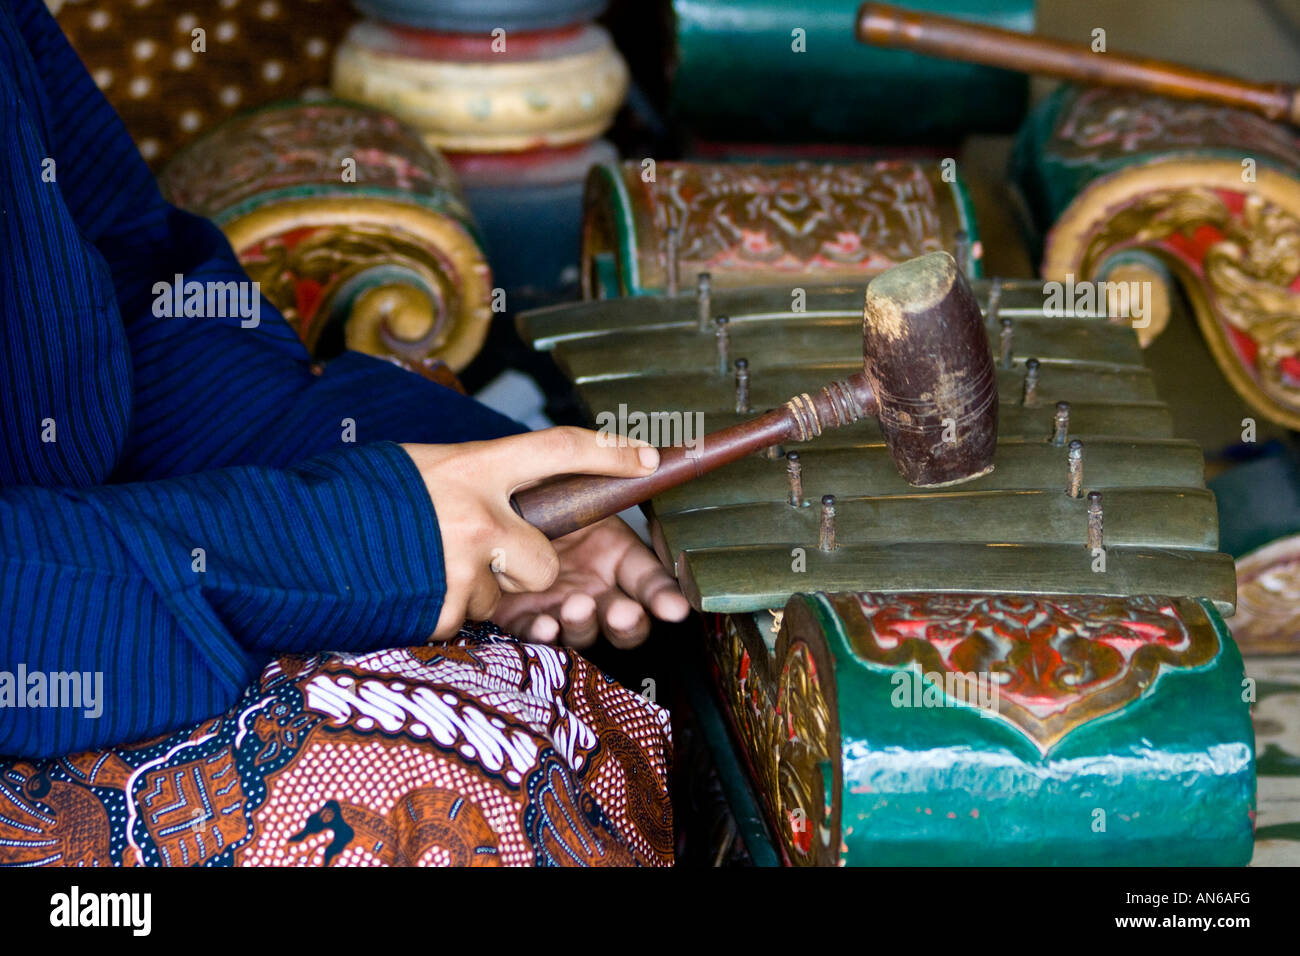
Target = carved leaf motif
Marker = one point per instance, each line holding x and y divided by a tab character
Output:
1058	663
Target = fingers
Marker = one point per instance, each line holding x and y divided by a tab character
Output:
578	621
570	451
571	619
623	620
640	574
534	628
525	562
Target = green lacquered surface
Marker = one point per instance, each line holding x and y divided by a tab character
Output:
1111	463
746	577
644	369
1173	772
444	204
544	328
834	346
737	76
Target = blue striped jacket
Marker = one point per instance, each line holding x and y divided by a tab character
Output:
177	501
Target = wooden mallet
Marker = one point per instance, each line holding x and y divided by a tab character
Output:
928	376
884	25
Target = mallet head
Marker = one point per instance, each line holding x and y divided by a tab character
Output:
928	360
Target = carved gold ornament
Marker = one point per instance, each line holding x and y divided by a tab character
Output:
1235	247
788	731
353	228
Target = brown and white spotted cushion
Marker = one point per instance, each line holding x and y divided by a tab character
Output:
143	55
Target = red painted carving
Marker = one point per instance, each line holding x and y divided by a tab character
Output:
1057	662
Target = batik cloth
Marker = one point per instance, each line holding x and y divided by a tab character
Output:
486	751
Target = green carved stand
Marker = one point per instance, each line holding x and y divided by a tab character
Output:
955	729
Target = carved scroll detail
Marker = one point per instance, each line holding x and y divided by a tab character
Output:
300	273
1246	253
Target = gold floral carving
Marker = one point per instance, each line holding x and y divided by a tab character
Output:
803	760
317	241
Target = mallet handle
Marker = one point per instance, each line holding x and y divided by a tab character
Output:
888	26
561	505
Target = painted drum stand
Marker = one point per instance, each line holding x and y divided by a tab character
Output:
924	729
479	93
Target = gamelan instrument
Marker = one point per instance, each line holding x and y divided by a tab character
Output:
1156	174
651	227
1084	452
1131	188
1029	667
516	94
951	729
883	25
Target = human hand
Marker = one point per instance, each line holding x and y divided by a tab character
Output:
488	549
608	581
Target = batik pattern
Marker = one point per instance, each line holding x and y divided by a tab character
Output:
483	752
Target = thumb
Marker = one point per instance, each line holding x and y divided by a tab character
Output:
572	451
